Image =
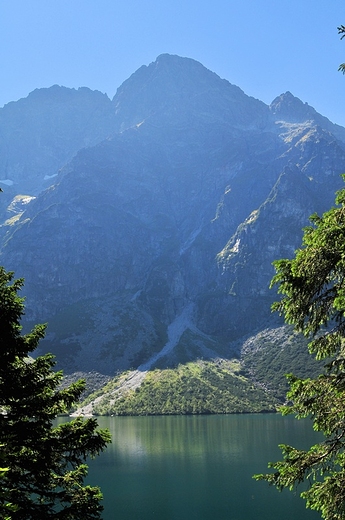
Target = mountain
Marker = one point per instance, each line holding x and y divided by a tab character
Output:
153	244
42	132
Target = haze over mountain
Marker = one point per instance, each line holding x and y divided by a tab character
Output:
146	226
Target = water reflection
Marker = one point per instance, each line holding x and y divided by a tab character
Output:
196	467
184	436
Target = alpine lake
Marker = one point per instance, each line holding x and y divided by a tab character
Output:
197	467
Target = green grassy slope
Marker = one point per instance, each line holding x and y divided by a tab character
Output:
200	387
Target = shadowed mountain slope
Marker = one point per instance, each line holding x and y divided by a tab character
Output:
170	218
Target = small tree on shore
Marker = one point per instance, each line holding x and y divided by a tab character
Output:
45	464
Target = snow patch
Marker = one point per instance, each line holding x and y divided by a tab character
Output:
136	295
190	240
27	199
236	246
47	177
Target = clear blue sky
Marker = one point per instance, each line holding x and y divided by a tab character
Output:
266	47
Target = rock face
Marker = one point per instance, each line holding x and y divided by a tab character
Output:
40	133
181	192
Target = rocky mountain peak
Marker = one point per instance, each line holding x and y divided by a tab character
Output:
290	109
40	133
172	86
61	94
157	244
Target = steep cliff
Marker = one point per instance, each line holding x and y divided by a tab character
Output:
154	246
40	133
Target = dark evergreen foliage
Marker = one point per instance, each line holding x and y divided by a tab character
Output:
45	465
341	30
313	288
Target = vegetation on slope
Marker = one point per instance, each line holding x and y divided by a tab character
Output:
271	354
255	383
200	387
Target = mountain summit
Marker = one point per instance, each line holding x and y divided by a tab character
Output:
177	89
154	243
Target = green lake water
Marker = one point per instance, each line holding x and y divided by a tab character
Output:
197	467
